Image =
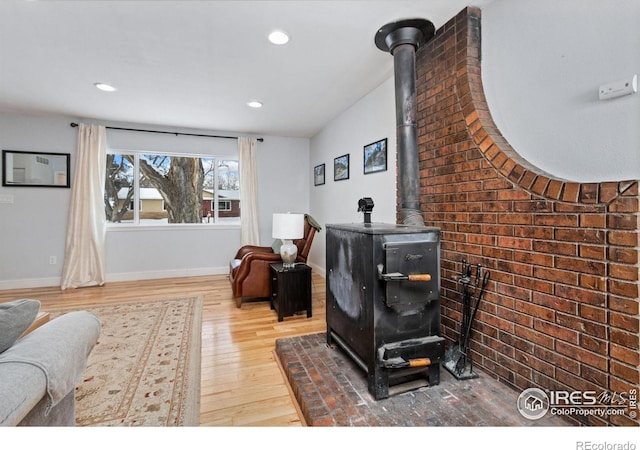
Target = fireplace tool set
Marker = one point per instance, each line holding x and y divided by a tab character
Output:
458	358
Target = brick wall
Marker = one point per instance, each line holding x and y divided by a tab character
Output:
561	310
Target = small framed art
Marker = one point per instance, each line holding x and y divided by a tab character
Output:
341	168
318	175
375	157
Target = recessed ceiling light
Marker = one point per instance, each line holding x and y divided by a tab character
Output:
104	87
254	104
278	37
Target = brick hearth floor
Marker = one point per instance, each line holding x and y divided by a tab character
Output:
331	390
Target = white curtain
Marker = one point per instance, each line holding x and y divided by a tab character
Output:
249	231
84	250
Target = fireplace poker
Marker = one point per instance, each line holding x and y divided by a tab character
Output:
454	352
462	361
456	357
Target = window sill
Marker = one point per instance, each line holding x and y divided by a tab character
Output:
176	226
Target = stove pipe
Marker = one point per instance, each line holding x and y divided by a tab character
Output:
402	39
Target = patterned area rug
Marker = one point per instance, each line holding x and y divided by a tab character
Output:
145	368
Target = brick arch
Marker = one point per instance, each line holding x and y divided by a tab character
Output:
497	150
561	311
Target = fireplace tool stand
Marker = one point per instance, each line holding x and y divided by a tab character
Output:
458	358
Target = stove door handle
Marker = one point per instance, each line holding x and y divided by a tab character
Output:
419	362
397	276
398	363
419	277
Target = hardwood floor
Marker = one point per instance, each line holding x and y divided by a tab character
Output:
241	383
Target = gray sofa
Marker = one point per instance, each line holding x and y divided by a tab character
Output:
39	372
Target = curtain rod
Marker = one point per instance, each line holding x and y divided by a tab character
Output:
73	125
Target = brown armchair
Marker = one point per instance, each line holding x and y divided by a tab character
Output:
249	269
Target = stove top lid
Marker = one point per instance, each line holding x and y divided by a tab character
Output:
383	228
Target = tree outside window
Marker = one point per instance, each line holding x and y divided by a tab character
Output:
144	188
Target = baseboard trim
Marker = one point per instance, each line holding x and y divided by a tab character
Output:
320	270
115	277
29	283
173	273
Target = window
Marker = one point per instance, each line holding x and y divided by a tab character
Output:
148	188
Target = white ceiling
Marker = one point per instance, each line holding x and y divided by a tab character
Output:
195	64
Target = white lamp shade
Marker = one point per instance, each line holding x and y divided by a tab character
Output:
288	226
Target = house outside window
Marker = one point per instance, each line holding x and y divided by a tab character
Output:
162	189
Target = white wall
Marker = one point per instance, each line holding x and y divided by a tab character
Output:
283	179
369	120
542	64
33	227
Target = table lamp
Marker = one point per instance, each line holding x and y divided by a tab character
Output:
287	227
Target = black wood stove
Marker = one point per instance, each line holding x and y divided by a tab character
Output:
383	301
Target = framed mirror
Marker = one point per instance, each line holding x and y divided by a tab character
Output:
20	168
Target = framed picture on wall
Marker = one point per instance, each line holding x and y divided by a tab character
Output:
318	175
341	168
375	157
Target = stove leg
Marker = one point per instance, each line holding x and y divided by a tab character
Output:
434	374
378	379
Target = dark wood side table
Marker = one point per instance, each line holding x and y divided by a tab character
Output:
290	289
